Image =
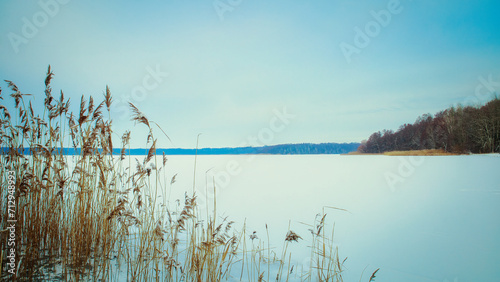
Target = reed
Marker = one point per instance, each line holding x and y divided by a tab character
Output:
94	216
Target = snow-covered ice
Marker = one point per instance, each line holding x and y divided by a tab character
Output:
416	218
431	218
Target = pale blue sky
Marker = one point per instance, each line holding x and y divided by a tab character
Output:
228	71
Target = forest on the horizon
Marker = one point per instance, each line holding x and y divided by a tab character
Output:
282	149
460	129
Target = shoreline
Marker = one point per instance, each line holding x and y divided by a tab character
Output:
431	152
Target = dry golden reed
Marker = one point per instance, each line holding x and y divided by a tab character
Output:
93	216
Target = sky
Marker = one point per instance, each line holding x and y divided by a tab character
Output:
255	72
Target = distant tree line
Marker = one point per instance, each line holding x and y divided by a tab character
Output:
456	129
309	148
283	149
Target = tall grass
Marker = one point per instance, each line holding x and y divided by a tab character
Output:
100	217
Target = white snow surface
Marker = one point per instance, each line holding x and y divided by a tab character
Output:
434	218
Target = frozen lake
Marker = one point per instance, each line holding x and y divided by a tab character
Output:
415	218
